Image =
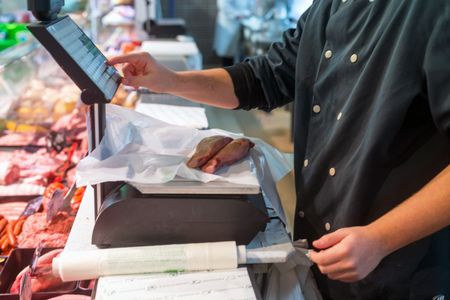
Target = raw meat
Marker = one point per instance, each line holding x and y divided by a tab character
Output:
43	279
36	167
12	210
74	124
53	235
20	189
49	191
206	149
231	153
9	173
14	139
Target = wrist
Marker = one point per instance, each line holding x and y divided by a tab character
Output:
380	239
173	82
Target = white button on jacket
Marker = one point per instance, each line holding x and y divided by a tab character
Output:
316	109
332	172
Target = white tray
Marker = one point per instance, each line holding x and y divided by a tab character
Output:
180	186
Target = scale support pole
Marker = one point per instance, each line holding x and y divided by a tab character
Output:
96	131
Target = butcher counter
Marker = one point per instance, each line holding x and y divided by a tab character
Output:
277	269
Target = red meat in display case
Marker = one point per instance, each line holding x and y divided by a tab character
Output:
53	235
9	173
43	279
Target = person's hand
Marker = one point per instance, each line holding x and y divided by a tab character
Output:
142	70
348	254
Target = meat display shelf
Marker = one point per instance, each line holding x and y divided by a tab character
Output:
13	207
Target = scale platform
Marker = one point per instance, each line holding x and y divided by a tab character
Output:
167	214
189	187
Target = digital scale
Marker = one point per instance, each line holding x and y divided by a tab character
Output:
125	216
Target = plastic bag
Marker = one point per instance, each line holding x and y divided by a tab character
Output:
140	149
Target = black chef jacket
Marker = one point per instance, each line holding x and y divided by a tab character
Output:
370	80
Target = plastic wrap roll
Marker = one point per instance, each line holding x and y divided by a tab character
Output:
83	265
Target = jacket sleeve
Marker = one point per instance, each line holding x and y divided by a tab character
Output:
437	72
268	81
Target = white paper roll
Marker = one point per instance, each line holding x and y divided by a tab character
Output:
83	265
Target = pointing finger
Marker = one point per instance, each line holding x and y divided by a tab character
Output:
126	58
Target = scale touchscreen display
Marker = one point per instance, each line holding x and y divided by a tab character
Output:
86	55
